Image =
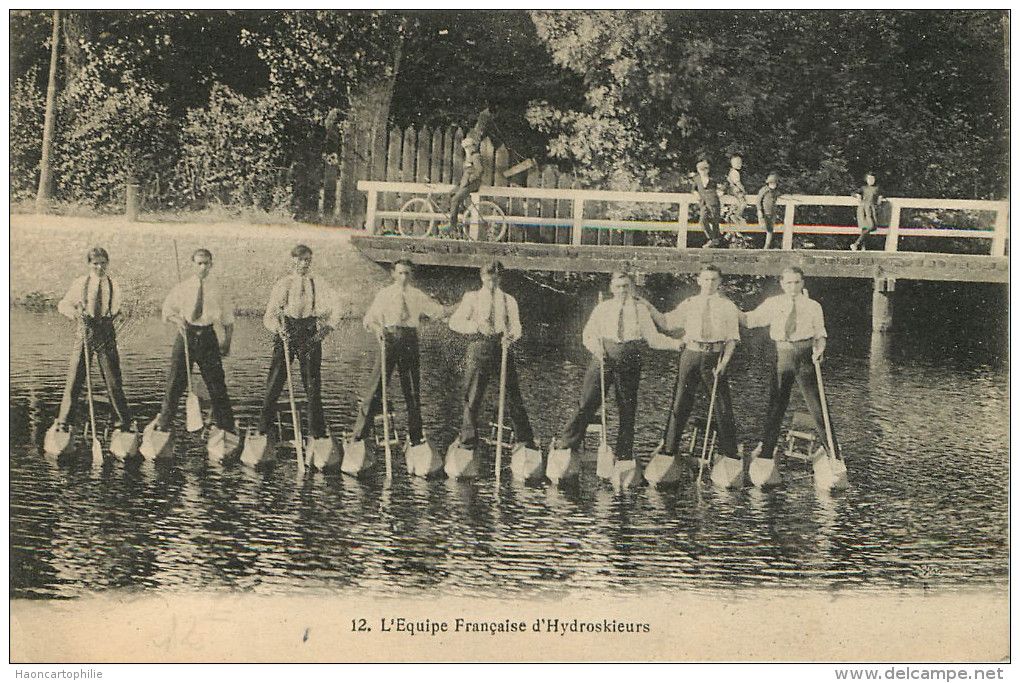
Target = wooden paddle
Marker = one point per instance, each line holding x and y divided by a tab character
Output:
294	417
501	407
385	408
708	422
97	448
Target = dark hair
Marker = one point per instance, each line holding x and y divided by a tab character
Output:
201	252
711	267
793	269
404	262
617	274
300	251
494	268
96	252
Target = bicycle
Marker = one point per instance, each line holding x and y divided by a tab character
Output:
421	217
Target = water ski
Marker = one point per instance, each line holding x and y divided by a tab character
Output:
662	468
124	443
526	463
422	460
156	444
358	457
626	474
830	472
222	444
728	473
562	466
259	450
460	462
59	440
322	454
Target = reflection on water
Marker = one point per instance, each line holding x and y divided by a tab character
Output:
923	426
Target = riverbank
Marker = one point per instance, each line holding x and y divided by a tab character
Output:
48	252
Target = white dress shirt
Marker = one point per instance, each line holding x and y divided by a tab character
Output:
85	290
774	312
723	323
471	316
604	323
216	308
387	309
318	300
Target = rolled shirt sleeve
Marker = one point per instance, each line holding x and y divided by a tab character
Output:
461	320
651	333
73	297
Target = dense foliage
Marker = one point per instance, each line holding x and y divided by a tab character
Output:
245	108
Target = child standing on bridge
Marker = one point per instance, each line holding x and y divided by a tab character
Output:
766	203
867	211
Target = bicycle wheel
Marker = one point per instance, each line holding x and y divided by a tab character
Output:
417	218
492	222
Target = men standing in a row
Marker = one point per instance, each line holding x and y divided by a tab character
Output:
94	301
616	331
195	306
394	317
711	328
797	325
489	316
305	310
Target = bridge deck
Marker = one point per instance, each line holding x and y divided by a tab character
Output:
581	259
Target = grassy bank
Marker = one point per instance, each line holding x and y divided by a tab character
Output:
48	252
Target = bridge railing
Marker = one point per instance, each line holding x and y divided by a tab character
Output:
997	232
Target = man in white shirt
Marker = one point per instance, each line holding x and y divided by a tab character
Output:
394	317
491	318
195	306
617	330
797	325
94	299
711	328
305	309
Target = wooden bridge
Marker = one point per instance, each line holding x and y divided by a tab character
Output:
574	230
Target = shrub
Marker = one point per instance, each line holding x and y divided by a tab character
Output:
27	111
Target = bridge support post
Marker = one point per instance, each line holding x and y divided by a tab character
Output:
788	226
882	304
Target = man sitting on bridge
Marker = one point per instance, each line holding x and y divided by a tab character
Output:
471	179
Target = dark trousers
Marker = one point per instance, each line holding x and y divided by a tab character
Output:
204	349
468	184
623	371
792	365
483	358
768	219
710	221
102	343
305	345
695	372
401	353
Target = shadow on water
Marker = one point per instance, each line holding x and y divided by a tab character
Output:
922	415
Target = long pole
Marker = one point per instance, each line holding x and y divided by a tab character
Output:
97	448
825	410
708	423
501	409
295	421
42	197
385	409
602	382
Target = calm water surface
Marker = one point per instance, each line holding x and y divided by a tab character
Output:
922	415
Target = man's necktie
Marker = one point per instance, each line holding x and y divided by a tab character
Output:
490	319
706	321
97	300
791	320
405	312
620	330
197	312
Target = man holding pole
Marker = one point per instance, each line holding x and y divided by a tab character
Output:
797	325
616	331
304	309
195	306
711	328
490	318
94	300
394	318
